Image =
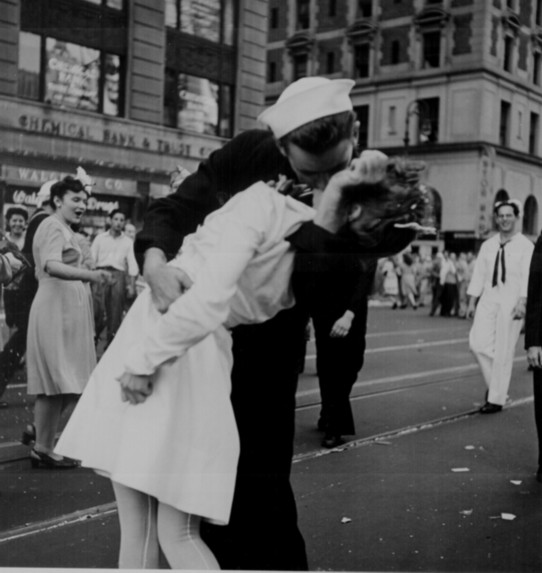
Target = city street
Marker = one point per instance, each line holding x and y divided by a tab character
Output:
426	484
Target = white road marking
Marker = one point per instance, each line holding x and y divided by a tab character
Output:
404	377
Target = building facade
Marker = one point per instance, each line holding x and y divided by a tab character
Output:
456	83
127	89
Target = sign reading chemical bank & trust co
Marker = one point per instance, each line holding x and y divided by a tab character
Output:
122	134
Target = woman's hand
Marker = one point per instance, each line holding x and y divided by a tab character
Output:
369	167
135	388
100	277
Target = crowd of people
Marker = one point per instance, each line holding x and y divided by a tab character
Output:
438	282
279	227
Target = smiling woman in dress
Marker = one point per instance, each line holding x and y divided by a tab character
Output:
60	344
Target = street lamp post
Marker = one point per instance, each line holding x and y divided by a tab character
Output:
416	107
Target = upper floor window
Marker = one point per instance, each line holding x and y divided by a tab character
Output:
303	14
395	56
301	66
274	23
431	50
362	60
332	8
69	75
365	8
508	53
504	125
198	104
537	58
538	13
272	72
534	133
213	20
362	115
330	63
530	216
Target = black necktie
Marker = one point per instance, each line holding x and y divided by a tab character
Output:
500	252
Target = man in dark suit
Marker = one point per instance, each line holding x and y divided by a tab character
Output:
533	340
313	134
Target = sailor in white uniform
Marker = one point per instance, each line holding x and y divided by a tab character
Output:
499	284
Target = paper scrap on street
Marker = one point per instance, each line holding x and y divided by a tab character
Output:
469	447
508	516
516	481
460	470
346	520
466	512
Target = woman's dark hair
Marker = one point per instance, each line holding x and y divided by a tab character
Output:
321	134
16	211
60	188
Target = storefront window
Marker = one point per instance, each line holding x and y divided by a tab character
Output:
111	85
226	106
201	18
197	104
213	20
72	75
171	13
28	76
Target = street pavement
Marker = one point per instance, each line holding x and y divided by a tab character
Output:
426	484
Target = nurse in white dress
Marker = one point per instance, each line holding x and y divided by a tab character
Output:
166	436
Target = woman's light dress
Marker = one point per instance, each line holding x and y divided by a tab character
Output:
60	344
181	445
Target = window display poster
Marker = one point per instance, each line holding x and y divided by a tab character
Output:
201	18
72	75
198	104
111	84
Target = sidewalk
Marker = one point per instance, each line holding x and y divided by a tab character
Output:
394	505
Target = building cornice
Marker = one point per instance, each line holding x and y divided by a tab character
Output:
300	43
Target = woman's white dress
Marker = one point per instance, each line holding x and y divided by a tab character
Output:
181	445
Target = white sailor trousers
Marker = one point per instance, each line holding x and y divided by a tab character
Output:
493	338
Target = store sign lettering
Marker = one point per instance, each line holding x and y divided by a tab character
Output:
115	137
23	198
108	207
95	204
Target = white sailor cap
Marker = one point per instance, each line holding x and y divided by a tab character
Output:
45	190
304	101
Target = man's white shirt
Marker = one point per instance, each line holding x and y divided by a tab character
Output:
116	252
517	254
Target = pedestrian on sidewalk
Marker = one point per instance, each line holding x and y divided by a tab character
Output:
174	368
60	343
312	134
498	294
113	252
15	349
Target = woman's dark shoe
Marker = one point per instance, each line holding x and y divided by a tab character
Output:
489	408
43	460
332	441
29	435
